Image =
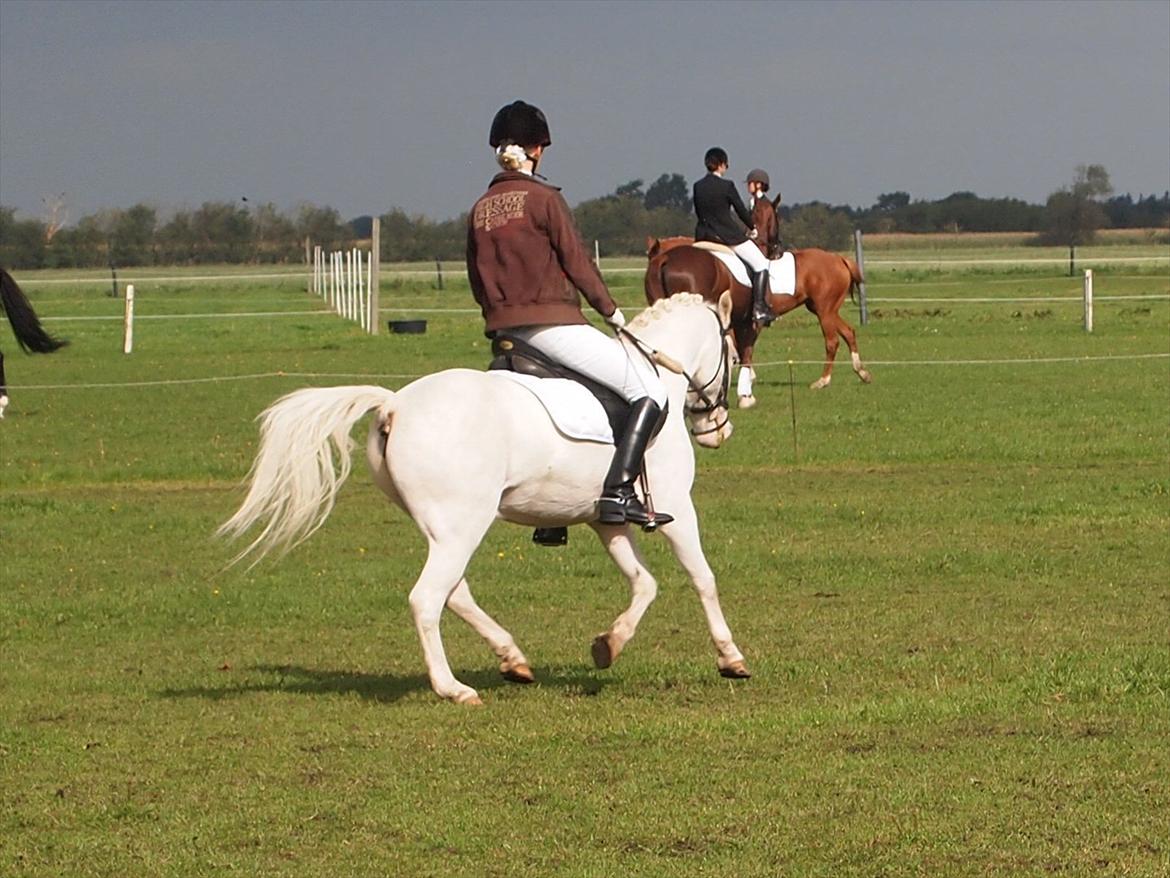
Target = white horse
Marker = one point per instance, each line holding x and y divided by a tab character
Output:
458	449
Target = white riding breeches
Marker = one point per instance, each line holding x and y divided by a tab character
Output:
750	253
591	352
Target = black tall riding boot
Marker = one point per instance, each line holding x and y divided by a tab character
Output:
619	502
761	313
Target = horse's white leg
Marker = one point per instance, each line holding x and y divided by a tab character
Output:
441	575
513	664
861	371
683	535
747	375
619	542
847	332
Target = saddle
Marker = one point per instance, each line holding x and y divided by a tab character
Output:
513	354
516	355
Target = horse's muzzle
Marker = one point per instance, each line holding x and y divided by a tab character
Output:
713	430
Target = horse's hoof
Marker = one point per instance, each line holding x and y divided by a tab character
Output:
602	654
746	402
865	376
819	384
737	670
518	673
470	698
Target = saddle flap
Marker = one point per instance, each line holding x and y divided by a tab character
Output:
513	354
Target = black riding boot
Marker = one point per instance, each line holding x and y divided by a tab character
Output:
619	502
761	313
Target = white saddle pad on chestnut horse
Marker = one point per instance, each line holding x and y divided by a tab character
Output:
781	272
574	411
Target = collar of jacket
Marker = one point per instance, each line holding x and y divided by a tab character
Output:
505	176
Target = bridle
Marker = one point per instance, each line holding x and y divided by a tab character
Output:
704	405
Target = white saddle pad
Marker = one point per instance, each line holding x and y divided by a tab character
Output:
781	272
575	412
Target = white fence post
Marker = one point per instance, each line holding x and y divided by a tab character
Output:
363	312
1088	300
375	274
335	298
349	287
128	321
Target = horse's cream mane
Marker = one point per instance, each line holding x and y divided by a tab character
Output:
665	306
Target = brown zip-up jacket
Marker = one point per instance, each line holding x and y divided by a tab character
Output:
525	258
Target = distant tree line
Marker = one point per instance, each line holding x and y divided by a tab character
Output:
226	232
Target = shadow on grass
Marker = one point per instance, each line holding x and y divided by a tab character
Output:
381	688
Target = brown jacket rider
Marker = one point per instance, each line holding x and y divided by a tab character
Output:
525	259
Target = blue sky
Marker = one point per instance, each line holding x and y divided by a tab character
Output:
367	106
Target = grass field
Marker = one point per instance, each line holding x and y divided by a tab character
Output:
954	594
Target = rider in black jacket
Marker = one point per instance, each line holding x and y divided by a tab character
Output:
715	198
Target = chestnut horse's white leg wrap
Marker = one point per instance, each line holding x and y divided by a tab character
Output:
747	375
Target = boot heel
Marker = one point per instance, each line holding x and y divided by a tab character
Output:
611	511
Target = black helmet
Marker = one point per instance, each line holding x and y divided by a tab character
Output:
756	175
519	123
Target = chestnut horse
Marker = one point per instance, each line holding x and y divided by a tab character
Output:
823	279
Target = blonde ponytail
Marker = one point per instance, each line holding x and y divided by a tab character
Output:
510	156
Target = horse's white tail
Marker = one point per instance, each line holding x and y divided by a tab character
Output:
293	481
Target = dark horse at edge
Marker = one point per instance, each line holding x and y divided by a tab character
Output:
823	280
30	335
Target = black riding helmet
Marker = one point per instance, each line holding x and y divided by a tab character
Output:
519	123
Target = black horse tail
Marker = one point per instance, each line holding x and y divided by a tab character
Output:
28	330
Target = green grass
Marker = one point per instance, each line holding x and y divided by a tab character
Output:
953	596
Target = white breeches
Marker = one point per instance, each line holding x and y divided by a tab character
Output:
593	353
750	253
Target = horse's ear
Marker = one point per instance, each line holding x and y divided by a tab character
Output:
652	244
776	200
724	308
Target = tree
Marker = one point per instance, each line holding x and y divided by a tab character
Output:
1075	213
815	225
176	240
633	189
669	191
56	215
222	231
132	235
322	225
275	237
22	242
888	202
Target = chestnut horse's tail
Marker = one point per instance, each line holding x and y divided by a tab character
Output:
655	282
855	278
